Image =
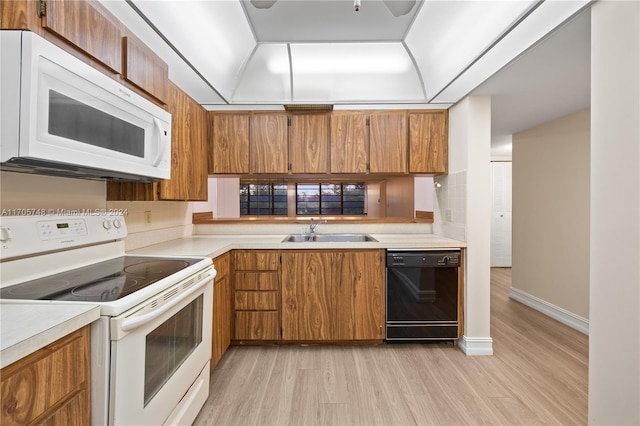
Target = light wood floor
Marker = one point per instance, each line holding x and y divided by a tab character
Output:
537	375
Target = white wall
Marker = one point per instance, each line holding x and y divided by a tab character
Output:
169	220
223	198
551	164
614	341
467	188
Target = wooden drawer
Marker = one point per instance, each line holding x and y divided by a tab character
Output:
257	325
256	260
222	264
256	301
256	281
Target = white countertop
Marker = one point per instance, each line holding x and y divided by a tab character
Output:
215	245
28	326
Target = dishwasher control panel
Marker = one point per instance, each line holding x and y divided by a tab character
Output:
408	259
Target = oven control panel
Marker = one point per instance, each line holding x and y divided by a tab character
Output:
28	235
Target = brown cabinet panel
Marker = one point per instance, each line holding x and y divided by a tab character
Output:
269	147
222	309
310	143
86	25
19	15
349	142
428	142
229	143
256	301
257	325
142	67
332	295
256	260
49	385
306	296
388	142
366	272
188	149
248	280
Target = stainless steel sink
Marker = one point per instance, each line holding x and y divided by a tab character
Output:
329	238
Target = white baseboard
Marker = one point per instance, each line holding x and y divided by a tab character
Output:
476	345
572	320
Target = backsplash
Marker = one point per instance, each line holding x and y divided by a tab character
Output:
153	222
450	205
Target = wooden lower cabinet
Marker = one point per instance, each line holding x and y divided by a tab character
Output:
222	308
256	295
332	296
51	386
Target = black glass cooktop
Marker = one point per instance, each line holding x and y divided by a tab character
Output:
100	282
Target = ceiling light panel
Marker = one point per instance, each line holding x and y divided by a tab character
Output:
354	72
329	21
213	35
447	36
535	27
266	77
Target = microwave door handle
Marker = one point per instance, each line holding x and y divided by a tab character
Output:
161	144
137	321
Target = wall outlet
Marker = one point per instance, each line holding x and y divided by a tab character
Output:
147	218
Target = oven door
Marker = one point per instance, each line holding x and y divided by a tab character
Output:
160	356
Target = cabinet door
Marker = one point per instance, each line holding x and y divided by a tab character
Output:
142	67
269	143
310	143
256	325
388	142
188	150
50	386
221	329
349	142
428	142
364	271
84	24
229	147
306	296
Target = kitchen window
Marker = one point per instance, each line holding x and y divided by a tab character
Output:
263	199
330	198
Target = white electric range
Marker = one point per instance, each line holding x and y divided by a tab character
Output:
151	346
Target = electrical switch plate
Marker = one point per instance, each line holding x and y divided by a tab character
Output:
147	218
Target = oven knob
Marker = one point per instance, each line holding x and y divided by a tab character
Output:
106	224
5	234
445	260
117	224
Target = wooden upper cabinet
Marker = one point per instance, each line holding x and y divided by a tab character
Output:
349	142
428	142
269	147
188	149
142	67
188	180
87	26
388	142
229	143
310	143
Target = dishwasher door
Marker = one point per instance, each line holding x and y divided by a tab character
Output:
422	295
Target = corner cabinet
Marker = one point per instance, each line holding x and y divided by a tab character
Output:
428	142
51	386
256	295
188	157
333	296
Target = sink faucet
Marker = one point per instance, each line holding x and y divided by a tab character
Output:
313	226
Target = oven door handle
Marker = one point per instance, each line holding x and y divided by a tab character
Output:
137	321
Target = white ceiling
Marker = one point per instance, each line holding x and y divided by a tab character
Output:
229	54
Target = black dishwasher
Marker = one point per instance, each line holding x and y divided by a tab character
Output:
422	295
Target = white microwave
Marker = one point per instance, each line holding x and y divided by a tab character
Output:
60	116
